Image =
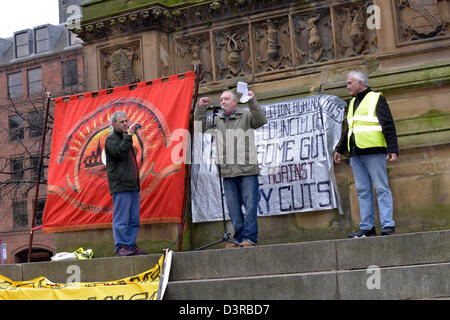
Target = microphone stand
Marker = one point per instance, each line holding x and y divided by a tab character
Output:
226	235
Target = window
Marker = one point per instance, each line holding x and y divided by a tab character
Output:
70	73
20	215
34	81
34	166
39	211
16	131
37	255
41	36
16	169
36	120
22	45
15	85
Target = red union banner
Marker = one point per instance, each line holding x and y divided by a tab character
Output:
78	194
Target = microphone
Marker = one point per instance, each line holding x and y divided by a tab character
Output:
215	108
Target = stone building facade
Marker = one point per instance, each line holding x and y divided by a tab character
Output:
285	49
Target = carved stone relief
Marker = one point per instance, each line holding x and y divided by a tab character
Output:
224	10
272	45
313	37
164	55
233	57
353	38
444	12
422	19
259	44
195	50
121	64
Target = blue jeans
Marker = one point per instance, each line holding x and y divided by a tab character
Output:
125	218
243	191
368	170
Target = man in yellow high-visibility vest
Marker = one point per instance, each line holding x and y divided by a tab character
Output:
371	139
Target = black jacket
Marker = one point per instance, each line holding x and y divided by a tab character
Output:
121	164
387	125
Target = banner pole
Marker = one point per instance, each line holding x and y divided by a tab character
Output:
197	69
38	183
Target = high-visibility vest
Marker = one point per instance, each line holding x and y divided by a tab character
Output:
364	123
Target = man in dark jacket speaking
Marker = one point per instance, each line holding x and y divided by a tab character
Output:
124	184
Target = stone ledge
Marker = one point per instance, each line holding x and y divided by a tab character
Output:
423	248
411	282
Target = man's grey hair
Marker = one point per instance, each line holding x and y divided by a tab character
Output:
117	114
359	75
233	95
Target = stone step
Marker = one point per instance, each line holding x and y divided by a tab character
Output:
426	281
326	255
412	266
409	266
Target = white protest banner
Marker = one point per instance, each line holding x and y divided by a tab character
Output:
295	153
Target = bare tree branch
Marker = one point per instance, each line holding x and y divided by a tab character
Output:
23	147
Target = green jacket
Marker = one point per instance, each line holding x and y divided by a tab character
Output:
121	164
235	138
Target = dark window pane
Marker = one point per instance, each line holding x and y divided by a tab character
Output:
16	131
20	215
36	120
15	84
42	46
41	36
22	45
39	211
34	81
34	166
70	73
17	169
22	38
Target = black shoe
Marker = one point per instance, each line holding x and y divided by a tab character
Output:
363	233
387	231
124	251
138	252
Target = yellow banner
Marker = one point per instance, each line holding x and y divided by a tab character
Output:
144	286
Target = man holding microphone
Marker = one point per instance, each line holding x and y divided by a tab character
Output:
124	184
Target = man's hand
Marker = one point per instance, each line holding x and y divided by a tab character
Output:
251	94
204	102
391	157
337	158
131	129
